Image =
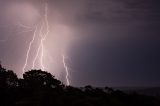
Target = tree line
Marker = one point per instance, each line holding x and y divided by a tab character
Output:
40	88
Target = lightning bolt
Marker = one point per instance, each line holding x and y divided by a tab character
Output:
66	69
34	61
43	32
43	38
38	51
29	48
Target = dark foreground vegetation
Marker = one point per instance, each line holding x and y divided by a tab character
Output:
39	88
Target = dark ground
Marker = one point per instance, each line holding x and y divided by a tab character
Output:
40	88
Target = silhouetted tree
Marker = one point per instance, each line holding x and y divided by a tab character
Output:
88	90
8	85
2	77
88	87
7	78
108	89
38	78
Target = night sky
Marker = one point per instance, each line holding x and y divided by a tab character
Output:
105	42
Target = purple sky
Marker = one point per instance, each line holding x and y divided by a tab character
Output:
106	42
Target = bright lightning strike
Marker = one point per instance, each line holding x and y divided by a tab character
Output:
34	61
43	37
43	32
29	48
66	69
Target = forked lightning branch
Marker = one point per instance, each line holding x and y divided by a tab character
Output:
42	30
